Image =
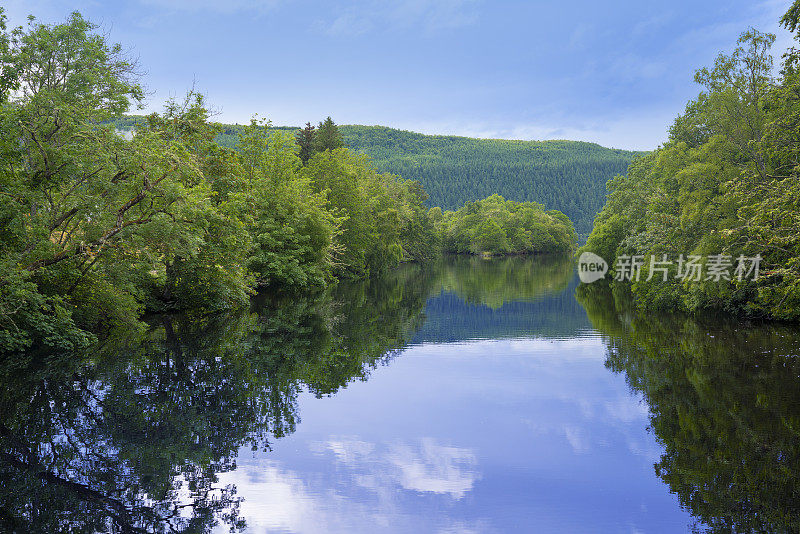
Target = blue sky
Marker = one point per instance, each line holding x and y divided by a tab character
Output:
616	73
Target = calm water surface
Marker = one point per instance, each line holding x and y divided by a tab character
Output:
472	396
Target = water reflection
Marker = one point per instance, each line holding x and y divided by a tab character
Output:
503	298
422	466
100	446
498	281
724	399
133	437
486	436
500	415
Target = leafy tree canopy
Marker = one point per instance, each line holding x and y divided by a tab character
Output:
725	183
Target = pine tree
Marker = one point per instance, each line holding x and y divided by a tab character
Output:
305	140
328	136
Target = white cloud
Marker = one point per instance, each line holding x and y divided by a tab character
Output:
278	499
425	467
576	439
351	451
434	468
628	409
463	528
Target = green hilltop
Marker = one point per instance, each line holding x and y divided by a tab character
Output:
569	176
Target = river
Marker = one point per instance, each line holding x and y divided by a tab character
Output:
470	396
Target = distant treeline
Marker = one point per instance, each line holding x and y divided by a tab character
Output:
569	176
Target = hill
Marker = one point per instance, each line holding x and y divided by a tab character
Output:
569	176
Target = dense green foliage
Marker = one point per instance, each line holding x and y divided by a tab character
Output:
305	142
726	183
384	219
498	226
96	228
568	176
722	403
292	228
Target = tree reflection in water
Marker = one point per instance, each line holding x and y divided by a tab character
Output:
132	436
724	399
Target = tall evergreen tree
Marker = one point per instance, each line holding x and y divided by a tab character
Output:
328	136
305	140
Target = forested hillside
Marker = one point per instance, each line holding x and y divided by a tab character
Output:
569	176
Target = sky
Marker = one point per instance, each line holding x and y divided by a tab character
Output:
614	73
